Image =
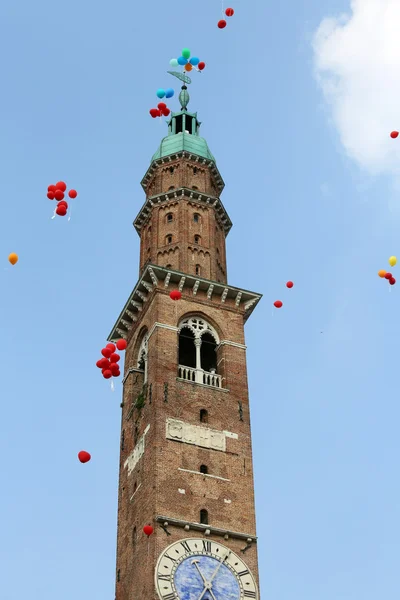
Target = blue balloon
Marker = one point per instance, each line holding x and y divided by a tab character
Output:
169	93
182	61
194	61
160	93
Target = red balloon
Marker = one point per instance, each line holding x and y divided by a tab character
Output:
175	295
114	358
201	66
50	195
61	211
51	188
148	530
59	195
106	352
278	304
60	185
289	284
388	276
158	112
162	106
154	112
394	134
107	373
63	203
117	374
114	368
72	193
392	281
111	346
222	24
84	456
122	344
166	112
229	12
100	363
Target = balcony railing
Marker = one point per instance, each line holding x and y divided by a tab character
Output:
199	376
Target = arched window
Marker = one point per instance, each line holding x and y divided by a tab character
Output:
196	218
194	170
171	169
198	269
198	342
203	416
171	187
194	187
197	239
204	516
170	217
168	239
204	469
142	356
168	267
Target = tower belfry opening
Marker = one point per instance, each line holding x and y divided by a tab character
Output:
180	471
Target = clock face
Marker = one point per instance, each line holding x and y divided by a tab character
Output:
199	569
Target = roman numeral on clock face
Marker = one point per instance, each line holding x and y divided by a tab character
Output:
243	573
248	594
186	546
206	546
169	597
164	577
170	557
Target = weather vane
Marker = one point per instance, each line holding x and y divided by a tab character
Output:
181	76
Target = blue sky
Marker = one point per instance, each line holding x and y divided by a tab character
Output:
77	83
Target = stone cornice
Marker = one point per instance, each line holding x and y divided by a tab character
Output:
155	277
208	529
178	194
183	154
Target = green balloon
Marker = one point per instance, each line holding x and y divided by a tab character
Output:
186	52
174	62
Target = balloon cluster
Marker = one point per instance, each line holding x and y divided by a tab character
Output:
109	363
229	13
279	303
165	93
56	192
160	111
187	62
385	275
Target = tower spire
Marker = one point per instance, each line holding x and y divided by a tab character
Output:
184	98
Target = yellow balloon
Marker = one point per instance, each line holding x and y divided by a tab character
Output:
382	273
13	258
392	261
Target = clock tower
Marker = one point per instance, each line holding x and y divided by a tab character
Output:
185	457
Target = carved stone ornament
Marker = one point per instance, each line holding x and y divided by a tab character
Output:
196	435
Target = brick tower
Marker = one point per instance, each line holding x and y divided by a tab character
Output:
186	457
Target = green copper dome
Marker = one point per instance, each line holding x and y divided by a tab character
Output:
183	133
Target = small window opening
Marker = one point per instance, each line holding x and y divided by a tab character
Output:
148	250
141	362
204	516
134	536
149	230
168	267
119	575
203	416
194	170
197	239
196	217
169	239
197	269
204	469
135	487
171	170
189	121
123	440
194	187
169	217
171	187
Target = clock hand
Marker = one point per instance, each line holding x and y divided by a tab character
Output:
195	563
219	566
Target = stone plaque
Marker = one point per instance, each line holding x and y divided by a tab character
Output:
196	435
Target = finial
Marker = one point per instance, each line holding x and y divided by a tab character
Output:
184	97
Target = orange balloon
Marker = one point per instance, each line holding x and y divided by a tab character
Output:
13	258
382	273
188	67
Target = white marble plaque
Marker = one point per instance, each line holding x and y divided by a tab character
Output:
136	453
196	435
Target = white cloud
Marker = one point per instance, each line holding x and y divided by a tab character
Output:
357	61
